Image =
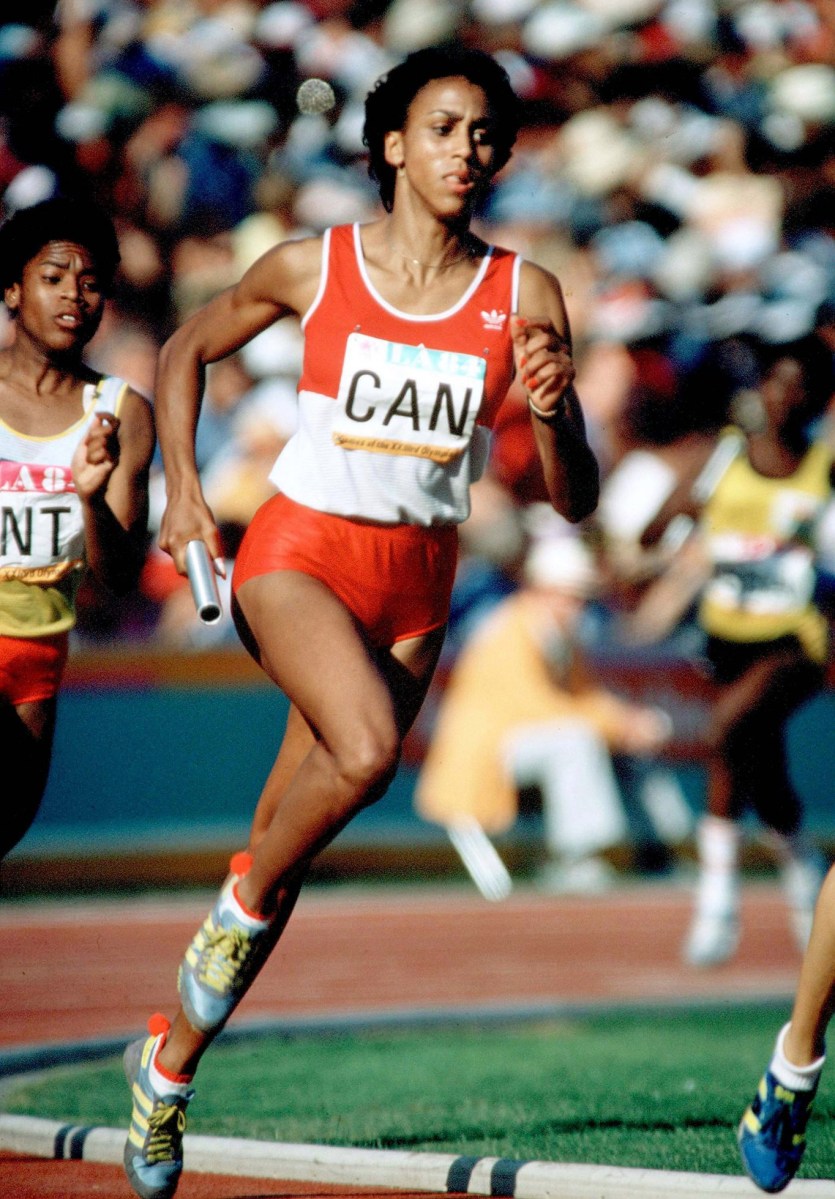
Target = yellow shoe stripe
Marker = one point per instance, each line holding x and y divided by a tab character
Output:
139	1120
141	1100
751	1122
136	1139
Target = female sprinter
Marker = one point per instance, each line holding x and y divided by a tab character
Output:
75	449
767	638
413	327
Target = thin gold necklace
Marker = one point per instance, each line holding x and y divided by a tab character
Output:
467	253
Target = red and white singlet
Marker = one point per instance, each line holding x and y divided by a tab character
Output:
395	410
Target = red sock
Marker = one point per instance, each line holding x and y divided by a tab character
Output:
180	1078
241	863
244	908
159	1026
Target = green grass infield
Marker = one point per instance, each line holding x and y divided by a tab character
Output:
656	1090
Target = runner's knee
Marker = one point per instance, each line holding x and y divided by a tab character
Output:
366	763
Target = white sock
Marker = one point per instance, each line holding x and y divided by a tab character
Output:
230	900
718	845
718	840
161	1083
795	1078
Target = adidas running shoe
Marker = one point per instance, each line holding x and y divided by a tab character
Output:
221	961
154	1148
772	1133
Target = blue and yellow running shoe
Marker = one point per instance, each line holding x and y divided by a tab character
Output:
772	1133
222	959
154	1148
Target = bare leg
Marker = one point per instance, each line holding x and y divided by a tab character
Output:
26	735
772	1131
296	745
748	767
815	999
359	702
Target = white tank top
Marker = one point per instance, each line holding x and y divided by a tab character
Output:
41	522
395	410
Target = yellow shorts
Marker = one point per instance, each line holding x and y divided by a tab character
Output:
395	579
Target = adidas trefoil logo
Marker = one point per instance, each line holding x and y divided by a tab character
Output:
494	319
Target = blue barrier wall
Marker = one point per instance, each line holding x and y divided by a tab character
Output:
153	766
163	761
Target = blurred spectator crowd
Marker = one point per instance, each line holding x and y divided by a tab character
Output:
676	170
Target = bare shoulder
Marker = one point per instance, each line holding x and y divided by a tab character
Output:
136	414
287	274
136	405
537	285
294	254
541	295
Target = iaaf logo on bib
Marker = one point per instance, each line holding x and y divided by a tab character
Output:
494	319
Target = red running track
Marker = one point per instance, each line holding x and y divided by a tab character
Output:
80	970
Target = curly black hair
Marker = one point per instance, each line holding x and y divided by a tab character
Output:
387	104
814	358
28	230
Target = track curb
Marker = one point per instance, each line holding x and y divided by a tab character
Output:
436	1173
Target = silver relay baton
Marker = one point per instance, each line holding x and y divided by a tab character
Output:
203	580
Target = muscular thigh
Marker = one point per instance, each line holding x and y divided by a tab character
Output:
313	649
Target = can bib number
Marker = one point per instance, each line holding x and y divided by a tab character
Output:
402	399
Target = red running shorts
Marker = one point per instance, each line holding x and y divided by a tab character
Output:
31	668
395	579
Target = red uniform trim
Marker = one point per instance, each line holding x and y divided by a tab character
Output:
31	668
